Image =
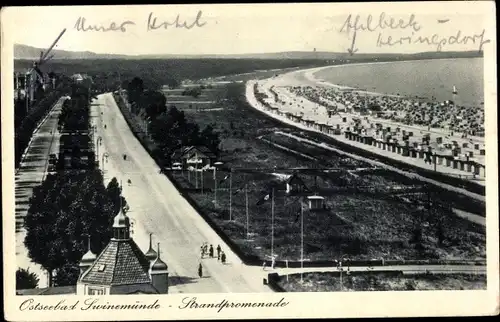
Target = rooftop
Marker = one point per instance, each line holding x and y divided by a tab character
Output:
120	263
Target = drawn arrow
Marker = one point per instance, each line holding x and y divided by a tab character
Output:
352	50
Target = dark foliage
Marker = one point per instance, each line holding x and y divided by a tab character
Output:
25	279
63	211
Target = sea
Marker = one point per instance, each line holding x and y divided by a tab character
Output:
422	78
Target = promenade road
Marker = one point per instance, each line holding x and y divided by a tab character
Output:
157	207
31	173
406	269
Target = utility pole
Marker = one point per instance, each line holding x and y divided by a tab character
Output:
215	186
196	174
301	242
246	206
230	194
202	181
272	223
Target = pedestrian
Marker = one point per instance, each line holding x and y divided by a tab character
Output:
218	252
201	251
223	258
200	271
264	265
273	262
211	251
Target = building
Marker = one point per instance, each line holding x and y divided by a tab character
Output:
315	202
194	156
121	267
294	184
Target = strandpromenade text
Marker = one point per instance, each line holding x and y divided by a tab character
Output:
187	303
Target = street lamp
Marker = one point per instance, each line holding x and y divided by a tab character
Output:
340	268
216	165
104	155
99	142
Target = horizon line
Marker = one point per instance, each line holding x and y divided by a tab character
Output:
254	53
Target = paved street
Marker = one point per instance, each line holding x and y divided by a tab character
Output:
157	207
30	174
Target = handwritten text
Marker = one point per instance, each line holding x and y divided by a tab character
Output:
113	26
176	23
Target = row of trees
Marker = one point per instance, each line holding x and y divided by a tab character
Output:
26	121
64	211
74	124
75	111
169	127
70	206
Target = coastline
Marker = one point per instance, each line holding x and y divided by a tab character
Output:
309	74
296	77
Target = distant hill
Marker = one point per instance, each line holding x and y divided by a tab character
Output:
32	53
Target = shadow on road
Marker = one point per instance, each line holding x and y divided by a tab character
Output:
178	280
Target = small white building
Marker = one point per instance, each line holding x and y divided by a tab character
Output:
315	202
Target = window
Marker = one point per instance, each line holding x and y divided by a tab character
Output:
96	291
101	268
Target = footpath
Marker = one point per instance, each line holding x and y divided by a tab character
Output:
30	174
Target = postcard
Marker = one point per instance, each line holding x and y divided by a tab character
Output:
242	161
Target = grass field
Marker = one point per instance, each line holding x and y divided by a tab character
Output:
327	282
364	217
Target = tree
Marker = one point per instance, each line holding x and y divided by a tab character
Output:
153	103
67	275
114	191
172	83
63	211
26	279
210	138
135	89
410	286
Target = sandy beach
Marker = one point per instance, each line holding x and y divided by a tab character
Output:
284	96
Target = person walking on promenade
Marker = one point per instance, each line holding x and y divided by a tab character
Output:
202	252
218	252
223	257
200	271
264	265
211	251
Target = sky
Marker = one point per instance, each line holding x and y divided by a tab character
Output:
261	28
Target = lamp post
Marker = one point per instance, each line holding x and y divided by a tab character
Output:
340	268
230	194
301	242
99	142
104	155
216	165
202	170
